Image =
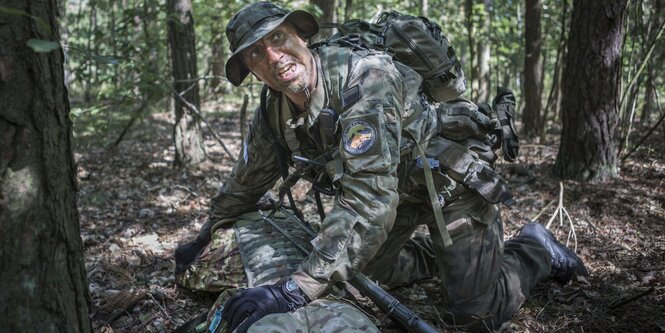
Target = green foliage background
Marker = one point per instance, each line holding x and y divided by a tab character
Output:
118	57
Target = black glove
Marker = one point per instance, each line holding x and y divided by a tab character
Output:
186	254
249	305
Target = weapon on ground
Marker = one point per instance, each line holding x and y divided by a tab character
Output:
386	302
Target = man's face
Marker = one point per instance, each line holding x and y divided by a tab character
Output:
281	59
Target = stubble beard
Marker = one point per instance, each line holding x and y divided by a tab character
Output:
298	85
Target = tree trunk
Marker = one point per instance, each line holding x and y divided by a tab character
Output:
217	60
478	22
531	125
42	274
327	8
554	100
471	37
655	20
187	135
483	54
650	95
591	91
348	10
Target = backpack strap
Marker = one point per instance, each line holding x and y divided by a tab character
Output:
279	149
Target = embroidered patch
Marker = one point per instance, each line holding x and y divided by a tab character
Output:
358	137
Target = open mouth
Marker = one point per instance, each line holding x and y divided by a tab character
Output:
287	72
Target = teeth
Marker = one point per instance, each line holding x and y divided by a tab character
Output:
286	69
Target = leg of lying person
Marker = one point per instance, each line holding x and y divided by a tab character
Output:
218	267
322	315
252	253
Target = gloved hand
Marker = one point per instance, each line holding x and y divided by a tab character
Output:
249	305
186	254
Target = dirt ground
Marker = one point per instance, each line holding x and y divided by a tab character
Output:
135	209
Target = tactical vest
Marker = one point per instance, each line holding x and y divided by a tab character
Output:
461	152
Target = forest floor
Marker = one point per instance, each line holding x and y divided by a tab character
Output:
135	209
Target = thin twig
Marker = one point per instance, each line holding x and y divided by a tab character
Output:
560	211
193	109
168	316
660	120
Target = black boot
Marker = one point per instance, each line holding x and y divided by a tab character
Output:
565	263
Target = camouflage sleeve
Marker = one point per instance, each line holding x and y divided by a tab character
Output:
253	175
365	205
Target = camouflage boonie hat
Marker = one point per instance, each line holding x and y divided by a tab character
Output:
254	22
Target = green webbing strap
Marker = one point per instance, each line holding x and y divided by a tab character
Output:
438	215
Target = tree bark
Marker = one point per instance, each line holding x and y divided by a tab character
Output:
591	91
42	274
533	60
187	135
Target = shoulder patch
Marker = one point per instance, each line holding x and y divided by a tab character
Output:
358	137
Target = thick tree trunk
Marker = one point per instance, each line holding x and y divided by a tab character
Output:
42	274
187	135
591	91
533	60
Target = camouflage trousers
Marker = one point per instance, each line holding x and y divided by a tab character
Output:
484	279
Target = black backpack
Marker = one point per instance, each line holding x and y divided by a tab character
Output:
413	41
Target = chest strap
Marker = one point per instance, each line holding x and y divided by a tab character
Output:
433	195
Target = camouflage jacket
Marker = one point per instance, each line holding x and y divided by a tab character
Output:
364	168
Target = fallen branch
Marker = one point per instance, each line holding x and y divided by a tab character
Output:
125	302
626	300
135	115
193	109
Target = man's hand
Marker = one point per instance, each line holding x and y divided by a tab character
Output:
249	305
186	254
